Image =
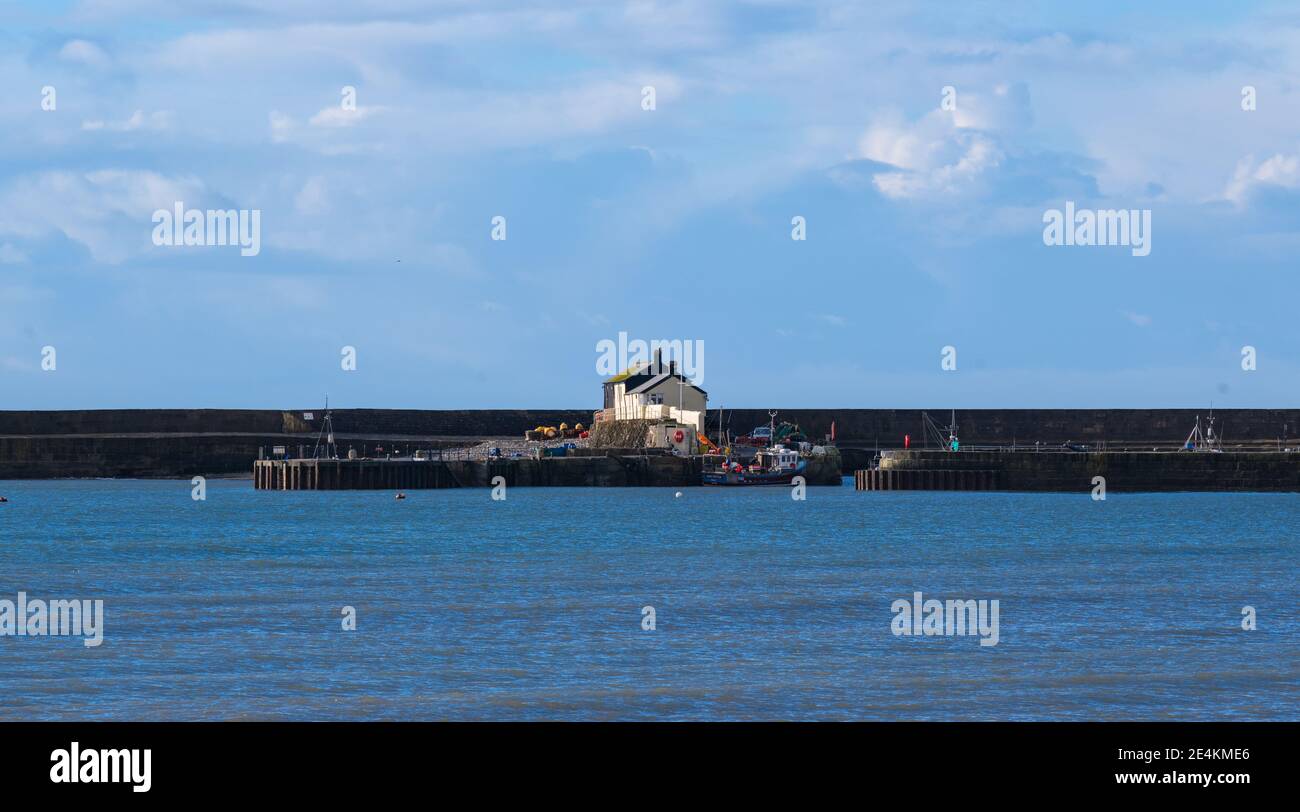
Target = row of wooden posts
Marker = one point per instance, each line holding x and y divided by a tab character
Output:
906	479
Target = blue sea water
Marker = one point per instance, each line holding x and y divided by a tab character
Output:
531	608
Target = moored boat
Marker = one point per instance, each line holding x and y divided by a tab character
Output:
777	465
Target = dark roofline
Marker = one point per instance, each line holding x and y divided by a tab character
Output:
676	376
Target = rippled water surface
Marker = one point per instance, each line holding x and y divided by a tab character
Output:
766	608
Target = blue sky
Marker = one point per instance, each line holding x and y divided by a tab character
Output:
924	225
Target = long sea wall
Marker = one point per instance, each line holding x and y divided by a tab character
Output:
184	442
379	422
145	456
1123	471
1136	428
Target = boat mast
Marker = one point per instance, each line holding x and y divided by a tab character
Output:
1202	438
1210	439
327	434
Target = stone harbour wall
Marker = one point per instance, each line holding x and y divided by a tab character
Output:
1132	471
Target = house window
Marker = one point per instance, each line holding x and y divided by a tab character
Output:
656	400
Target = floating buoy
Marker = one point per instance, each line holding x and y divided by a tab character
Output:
677	495
401	496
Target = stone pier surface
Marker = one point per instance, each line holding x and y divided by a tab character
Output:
1123	471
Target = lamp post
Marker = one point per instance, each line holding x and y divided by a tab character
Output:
681	399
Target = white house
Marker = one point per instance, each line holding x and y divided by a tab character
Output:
654	391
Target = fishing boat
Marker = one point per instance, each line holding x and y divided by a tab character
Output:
773	463
777	465
1203	439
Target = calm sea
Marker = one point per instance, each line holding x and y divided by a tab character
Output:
765	607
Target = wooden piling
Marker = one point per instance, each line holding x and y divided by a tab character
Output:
331	475
925	479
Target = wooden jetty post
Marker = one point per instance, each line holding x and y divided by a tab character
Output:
351	475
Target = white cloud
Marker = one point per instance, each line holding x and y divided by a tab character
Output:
1005	108
84	52
941	154
313	198
158	120
1137	319
1280	170
282	127
109	210
336	116
931	165
461	120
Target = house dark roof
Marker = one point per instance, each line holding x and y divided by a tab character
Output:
641	376
642	383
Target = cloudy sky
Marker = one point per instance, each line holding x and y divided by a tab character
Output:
924	225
